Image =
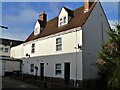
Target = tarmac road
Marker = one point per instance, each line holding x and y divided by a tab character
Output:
13	84
8	82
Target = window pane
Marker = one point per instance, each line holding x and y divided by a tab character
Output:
59	47
58	72
32	67
33	45
33	48
58	66
58	41
32	70
64	19
60	19
58	44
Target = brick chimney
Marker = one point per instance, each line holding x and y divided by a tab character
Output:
43	17
88	4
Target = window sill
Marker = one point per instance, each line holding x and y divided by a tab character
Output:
59	26
58	51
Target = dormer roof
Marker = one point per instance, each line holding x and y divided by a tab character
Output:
70	12
42	24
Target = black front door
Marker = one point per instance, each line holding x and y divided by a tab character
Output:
42	70
67	72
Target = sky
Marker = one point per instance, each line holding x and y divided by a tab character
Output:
20	17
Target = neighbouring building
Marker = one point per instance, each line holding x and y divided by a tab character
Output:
8	64
6	44
66	46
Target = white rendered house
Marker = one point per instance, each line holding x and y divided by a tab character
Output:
65	46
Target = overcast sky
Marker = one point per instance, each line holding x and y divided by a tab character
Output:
20	17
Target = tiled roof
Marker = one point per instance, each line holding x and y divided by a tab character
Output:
8	42
78	20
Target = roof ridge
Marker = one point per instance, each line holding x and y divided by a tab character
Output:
78	8
52	19
67	8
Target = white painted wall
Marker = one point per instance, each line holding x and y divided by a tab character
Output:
52	60
17	51
37	28
47	46
92	40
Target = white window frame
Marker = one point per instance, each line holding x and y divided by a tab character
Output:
58	70
58	44
33	48
31	68
62	20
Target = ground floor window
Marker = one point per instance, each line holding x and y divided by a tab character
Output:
32	68
58	69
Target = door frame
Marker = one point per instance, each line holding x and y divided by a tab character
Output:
66	72
42	70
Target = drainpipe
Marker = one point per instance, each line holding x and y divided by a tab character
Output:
76	59
21	67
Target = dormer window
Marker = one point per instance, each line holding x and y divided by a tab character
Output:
63	21
40	23
65	16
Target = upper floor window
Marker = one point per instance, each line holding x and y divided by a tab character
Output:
6	49
58	44
62	21
33	48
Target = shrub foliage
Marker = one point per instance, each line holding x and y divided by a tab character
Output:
109	60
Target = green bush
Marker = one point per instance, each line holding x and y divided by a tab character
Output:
109	60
